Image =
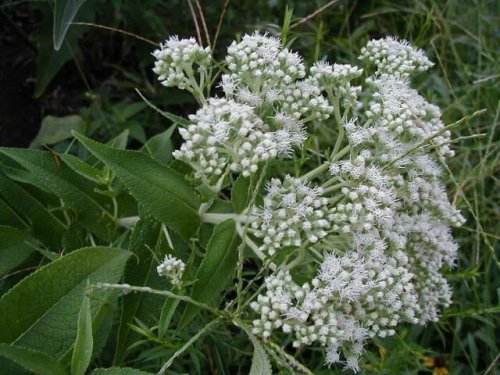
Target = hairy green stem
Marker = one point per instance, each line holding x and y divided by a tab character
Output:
144	289
190	342
254	247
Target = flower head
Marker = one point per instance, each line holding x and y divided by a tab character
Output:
395	57
172	268
176	60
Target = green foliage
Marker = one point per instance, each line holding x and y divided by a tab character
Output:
16	247
216	269
42	169
163	192
45	225
145	244
260	362
35	361
55	44
119	371
56	129
84	343
55	291
64	13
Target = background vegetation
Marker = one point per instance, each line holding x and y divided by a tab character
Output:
93	76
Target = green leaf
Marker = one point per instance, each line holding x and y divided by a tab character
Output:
8	216
174	118
241	193
120	141
84	343
14	248
216	269
47	173
125	111
56	129
41	312
167	313
160	146
32	360
164	193
64	13
260	362
119	371
46	227
83	169
143	306
49	60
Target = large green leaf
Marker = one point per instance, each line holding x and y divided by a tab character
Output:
64	13
84	343
14	248
164	193
32	360
46	227
142	271
41	312
46	172
216	269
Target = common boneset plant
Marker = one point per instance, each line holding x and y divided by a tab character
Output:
328	177
371	221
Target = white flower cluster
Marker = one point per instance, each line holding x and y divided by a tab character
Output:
395	57
172	268
259	62
387	232
267	101
273	80
336	79
223	133
175	62
353	297
293	212
399	112
379	225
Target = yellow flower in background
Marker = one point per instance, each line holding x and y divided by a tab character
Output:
437	363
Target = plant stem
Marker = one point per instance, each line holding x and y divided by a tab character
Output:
144	289
334	187
216	218
254	248
298	260
336	156
127	222
315	172
190	342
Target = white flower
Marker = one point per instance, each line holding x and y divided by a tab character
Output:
293	212
330	76
224	133
175	61
258	62
395	57
172	268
